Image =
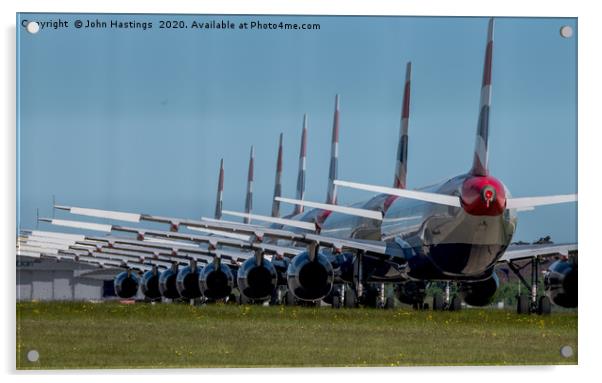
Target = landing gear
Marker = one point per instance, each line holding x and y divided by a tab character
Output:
380	297
390	303
290	299
243	300
336	302
231	299
278	296
350	297
438	303
522	305
533	303
455	304
338	296
545	306
420	306
383	300
446	301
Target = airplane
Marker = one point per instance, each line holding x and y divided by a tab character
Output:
456	231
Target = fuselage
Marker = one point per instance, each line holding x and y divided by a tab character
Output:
443	242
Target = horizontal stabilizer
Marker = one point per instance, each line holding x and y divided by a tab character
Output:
527	203
336	208
442	199
281	221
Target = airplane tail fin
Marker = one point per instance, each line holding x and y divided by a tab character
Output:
401	167
302	167
250	177
278	181
479	165
219	202
331	197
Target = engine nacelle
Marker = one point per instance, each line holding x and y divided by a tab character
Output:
216	281
167	283
187	282
150	285
126	284
480	293
310	279
257	280
560	283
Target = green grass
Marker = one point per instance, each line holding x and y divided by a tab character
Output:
114	335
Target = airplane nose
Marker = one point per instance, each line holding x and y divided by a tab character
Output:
483	196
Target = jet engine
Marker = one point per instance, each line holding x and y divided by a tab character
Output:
560	282
150	284
216	280
167	283
126	284
310	275
257	278
480	293
187	282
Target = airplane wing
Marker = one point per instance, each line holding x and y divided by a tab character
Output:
256	233
42	253
131	249
520	252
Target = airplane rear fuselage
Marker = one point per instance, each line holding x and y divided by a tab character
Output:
446	242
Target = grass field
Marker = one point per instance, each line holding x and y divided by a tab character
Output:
114	335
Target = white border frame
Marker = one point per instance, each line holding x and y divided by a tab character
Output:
589	181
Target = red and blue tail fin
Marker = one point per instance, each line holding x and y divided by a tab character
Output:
479	165
249	198
219	202
278	181
302	166
401	167
331	196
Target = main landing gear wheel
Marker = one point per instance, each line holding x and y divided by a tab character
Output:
522	305
243	300
336	302
545	306
290	299
455	304
438	303
420	306
277	297
350	298
390	303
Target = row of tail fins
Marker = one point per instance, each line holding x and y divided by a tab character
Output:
479	167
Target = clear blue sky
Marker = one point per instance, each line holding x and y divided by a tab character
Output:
138	120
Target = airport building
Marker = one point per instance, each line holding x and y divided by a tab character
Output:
46	280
